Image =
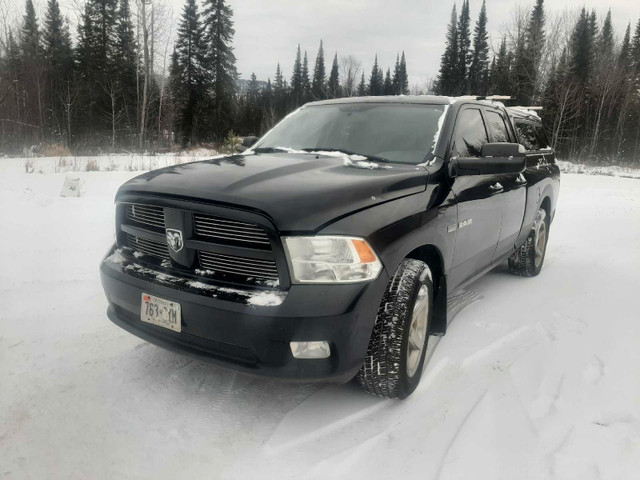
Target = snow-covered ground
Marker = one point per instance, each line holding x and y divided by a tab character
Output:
536	378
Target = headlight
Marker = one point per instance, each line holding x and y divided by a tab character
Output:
327	259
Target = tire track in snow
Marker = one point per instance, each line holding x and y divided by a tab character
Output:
337	424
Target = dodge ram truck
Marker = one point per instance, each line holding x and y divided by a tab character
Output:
327	249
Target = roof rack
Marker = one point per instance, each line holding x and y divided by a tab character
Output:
532	108
496	97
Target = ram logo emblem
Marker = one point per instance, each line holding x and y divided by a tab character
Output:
174	239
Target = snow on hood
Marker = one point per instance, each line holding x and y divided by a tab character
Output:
348	160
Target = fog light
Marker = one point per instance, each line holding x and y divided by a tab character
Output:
310	349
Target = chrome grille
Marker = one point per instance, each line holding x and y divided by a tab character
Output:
248	267
220	228
146	214
148	247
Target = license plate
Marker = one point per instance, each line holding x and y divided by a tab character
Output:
161	312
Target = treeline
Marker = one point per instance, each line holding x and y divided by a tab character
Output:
94	95
262	105
102	88
99	90
585	77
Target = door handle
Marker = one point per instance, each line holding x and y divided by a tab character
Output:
496	187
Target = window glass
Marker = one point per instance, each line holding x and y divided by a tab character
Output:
498	127
541	135
397	132
527	135
470	134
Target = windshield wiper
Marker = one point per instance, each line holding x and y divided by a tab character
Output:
270	150
347	152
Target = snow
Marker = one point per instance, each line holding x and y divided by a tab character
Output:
612	171
536	377
348	160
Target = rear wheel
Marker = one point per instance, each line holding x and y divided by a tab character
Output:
528	259
395	356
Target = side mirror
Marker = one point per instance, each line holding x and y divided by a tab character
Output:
496	158
249	141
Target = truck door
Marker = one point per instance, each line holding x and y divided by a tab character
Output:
514	193
478	199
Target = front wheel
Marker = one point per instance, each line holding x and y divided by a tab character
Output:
528	259
395	356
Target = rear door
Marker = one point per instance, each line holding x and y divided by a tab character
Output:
514	193
478	199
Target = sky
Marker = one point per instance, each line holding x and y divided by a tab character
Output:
268	31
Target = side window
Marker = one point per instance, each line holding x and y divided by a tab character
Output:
470	134
498	127
527	135
541	135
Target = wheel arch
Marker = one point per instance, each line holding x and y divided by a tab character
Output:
432	256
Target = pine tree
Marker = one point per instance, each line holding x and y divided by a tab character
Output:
279	93
534	46
31	71
582	48
306	83
376	80
464	45
103	17
189	86
362	87
395	80
318	86
57	55
297	84
30	34
388	84
334	79
403	76
635	49
624	57
446	81
251	114
480	58
605	42
125	68
56	41
220	64
500	80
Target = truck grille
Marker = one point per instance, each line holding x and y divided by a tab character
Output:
248	267
215	247
146	214
148	247
219	228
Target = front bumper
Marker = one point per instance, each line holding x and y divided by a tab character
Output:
226	328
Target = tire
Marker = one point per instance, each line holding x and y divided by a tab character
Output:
528	259
395	357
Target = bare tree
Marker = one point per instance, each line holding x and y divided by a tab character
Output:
68	97
350	68
114	114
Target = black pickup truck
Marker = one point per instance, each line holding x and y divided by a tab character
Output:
327	249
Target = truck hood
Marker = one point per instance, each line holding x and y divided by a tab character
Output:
298	191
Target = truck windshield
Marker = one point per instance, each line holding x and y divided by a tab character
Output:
398	133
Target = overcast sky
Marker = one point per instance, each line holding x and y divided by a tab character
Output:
267	31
